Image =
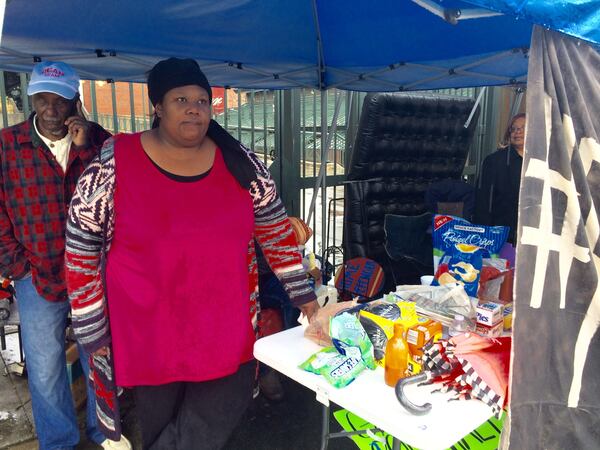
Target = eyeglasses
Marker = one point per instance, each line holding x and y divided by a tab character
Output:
515	129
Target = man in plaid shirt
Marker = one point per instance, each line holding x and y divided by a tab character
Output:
40	162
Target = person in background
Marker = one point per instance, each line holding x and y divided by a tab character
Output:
174	212
41	160
497	195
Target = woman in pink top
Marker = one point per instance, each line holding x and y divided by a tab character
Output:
161	271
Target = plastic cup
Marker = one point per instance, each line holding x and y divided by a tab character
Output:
426	280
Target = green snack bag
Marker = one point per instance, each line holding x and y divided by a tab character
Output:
337	369
351	339
316	362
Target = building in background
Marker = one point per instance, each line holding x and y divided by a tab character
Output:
131	99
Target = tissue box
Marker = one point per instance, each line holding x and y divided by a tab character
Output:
489	313
493	331
507	315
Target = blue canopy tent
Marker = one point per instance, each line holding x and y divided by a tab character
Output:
387	45
402	45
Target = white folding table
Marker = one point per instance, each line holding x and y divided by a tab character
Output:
371	399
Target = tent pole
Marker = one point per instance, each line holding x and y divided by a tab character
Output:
2	10
325	144
516	104
479	97
321	68
326	139
3	100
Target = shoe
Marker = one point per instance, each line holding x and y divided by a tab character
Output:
122	444
270	386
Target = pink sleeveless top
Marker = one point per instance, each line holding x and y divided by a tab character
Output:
177	272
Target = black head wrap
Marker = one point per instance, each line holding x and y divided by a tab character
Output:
174	72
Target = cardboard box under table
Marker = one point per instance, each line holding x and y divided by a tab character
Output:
371	399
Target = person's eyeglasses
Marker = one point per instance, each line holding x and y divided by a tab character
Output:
515	129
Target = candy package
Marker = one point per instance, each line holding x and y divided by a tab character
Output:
339	370
449	231
351	354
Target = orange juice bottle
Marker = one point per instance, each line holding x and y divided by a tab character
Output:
396	356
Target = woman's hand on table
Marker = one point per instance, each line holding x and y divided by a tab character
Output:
309	309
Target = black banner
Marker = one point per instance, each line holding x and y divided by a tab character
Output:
555	378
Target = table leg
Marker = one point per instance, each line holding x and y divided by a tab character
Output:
325	428
20	343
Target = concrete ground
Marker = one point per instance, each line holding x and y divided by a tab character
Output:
16	420
291	424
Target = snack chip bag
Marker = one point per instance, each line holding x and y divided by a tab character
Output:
378	322
449	231
461	264
352	352
387	310
350	338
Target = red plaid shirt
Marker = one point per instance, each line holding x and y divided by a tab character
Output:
35	194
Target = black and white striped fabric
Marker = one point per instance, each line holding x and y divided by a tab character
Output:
457	375
555	378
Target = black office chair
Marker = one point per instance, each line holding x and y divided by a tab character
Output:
450	196
404	143
408	244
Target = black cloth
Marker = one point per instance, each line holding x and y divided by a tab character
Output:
261	262
172	73
497	197
555	390
194	416
234	155
409	237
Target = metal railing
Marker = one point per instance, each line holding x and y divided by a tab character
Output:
286	128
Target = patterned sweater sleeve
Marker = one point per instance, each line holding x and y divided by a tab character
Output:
274	234
89	232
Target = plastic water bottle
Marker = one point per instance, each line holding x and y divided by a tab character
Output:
458	326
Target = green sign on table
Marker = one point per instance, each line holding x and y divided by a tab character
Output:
485	437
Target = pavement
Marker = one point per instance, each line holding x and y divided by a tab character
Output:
16	419
291	424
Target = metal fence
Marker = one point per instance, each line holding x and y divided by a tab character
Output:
288	129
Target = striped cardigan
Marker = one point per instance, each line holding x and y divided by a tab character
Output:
90	229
